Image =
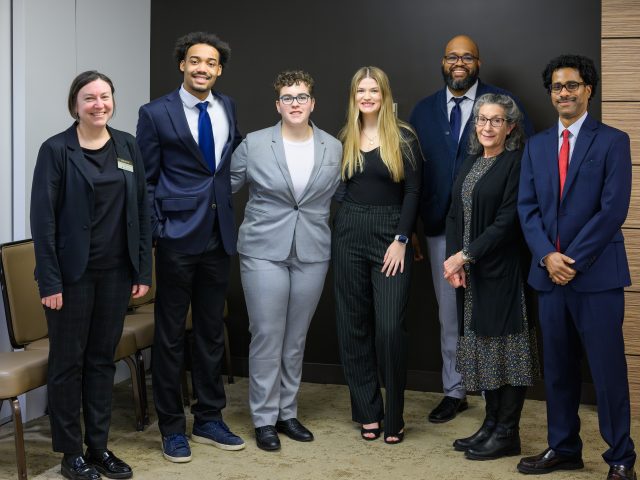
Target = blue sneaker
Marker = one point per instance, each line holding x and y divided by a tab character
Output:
175	448
216	433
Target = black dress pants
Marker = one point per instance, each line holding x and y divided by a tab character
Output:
370	312
200	280
83	337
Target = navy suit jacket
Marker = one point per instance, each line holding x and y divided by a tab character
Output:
594	205
186	197
443	156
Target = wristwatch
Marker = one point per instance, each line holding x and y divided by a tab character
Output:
402	239
466	258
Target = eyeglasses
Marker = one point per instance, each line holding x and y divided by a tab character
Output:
495	122
466	59
302	98
570	86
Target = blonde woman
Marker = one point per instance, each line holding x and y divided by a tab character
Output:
381	168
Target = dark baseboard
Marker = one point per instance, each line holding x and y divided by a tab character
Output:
421	381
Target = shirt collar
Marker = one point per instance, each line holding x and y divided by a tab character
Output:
574	128
190	101
470	94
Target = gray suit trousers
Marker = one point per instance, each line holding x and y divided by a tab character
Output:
448	316
281	299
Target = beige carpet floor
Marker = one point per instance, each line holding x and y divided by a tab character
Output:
337	453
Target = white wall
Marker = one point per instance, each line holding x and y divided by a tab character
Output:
44	44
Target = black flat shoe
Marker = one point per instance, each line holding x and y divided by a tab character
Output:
293	429
549	461
267	438
447	409
108	464
370	431
620	472
77	468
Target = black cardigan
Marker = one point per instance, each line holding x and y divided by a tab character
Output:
62	209
496	244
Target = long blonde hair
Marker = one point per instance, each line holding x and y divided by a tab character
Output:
392	142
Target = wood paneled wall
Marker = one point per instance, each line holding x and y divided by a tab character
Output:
621	109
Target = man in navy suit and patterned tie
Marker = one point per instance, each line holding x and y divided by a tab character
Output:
187	138
575	188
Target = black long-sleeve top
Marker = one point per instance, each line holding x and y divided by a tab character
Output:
374	186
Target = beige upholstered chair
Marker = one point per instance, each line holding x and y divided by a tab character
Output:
26	319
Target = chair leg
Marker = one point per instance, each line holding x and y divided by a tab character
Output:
227	352
143	388
135	387
21	459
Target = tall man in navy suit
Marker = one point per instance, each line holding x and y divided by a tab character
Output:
575	188
187	138
443	127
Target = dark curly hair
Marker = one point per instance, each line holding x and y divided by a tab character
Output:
293	77
584	65
184	43
80	81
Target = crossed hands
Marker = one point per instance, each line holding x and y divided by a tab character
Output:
454	271
559	268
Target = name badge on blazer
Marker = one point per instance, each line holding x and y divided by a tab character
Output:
125	164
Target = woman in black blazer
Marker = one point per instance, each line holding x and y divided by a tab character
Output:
487	256
91	230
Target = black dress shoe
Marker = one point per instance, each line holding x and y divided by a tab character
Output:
501	443
464	444
447	409
293	429
267	438
620	472
77	468
108	464
549	461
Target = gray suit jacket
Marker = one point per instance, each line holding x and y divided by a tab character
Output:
275	222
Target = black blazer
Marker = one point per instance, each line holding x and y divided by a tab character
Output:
496	243
62	209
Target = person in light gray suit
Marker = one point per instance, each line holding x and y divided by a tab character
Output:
292	170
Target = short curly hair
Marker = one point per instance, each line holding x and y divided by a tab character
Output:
184	43
293	77
584	65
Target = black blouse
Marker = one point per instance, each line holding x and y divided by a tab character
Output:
108	234
374	186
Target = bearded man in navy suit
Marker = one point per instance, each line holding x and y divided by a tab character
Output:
442	124
575	188
187	138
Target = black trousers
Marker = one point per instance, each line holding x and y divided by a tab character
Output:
83	337
200	280
370	312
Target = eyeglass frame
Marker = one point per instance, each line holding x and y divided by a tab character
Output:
296	98
477	120
461	58
565	86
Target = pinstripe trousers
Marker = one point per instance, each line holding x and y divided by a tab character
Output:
370	312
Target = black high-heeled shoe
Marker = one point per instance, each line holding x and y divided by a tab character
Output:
399	437
368	431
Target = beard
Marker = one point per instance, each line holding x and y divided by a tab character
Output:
464	83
